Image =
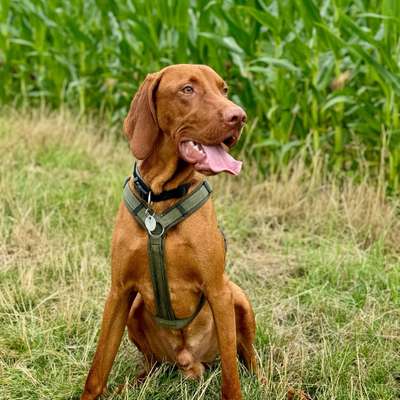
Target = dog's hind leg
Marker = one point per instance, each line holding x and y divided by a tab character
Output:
245	327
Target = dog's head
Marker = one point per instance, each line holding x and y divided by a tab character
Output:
188	103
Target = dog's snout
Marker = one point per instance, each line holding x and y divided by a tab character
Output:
235	116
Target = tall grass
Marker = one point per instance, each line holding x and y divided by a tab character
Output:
316	76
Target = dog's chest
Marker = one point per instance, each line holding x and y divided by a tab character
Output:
187	258
183	264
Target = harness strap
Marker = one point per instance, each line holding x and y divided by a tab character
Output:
159	278
156	239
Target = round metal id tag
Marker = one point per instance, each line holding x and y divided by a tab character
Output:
150	223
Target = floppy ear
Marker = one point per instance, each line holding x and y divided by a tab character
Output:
140	125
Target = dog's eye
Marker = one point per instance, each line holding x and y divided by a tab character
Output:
188	89
225	90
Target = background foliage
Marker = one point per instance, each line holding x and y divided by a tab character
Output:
315	76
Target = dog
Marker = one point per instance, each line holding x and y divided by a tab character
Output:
180	127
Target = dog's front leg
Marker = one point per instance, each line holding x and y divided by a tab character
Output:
220	298
114	320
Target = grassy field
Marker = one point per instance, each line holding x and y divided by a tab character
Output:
320	262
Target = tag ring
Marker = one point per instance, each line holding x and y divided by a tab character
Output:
157	236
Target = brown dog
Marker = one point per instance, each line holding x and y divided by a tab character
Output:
180	123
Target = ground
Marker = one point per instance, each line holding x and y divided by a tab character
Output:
319	260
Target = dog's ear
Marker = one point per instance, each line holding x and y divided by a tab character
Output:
140	125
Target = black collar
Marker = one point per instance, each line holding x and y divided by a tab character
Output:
147	195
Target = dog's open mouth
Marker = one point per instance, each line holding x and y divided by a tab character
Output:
210	159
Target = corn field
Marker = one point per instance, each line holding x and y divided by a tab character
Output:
317	77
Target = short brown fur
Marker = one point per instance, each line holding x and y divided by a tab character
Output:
159	118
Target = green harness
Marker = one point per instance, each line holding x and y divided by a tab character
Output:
157	226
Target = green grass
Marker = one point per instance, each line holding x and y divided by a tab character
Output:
315	76
320	262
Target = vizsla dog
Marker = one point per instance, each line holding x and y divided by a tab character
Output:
180	127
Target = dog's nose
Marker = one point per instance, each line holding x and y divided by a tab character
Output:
235	116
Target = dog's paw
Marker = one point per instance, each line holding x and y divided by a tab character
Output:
294	394
92	392
233	396
87	396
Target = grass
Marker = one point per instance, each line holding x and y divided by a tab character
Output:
316	76
319	260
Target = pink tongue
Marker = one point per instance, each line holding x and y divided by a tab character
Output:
218	160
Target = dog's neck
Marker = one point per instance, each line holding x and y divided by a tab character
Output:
164	170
